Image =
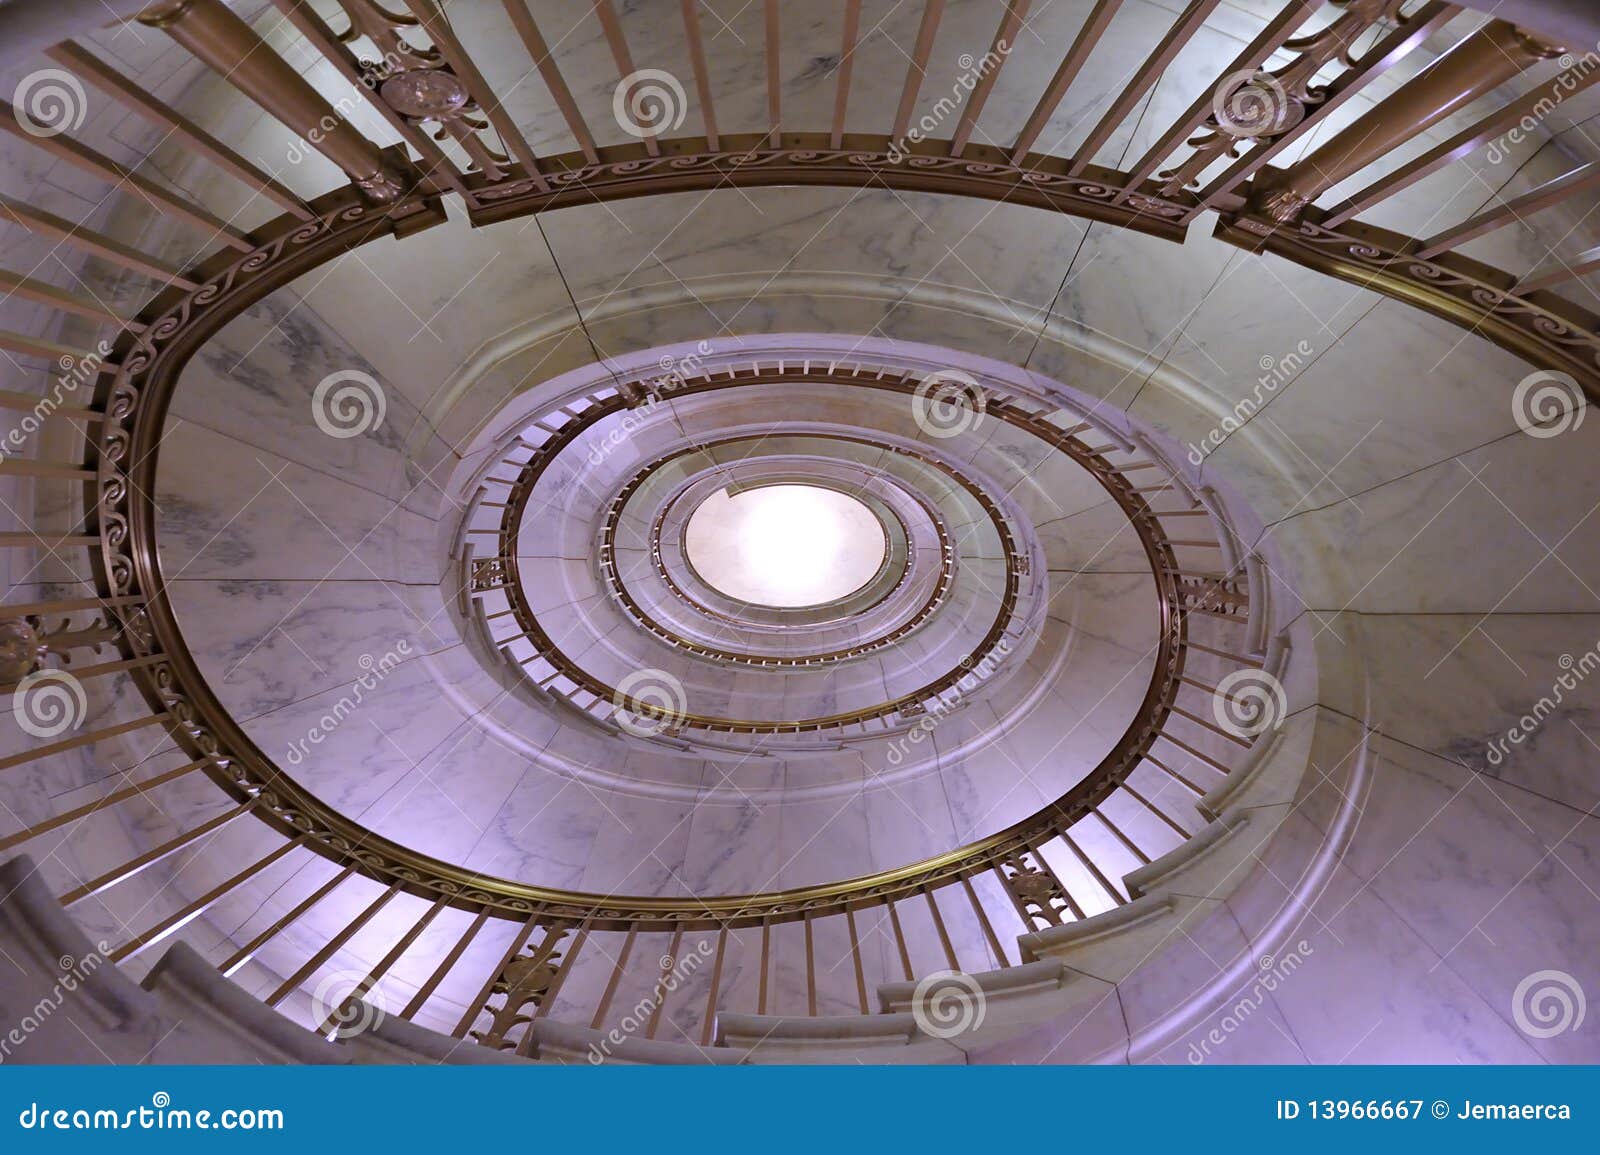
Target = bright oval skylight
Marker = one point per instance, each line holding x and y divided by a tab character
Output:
785	545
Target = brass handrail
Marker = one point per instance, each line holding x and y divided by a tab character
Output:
1259	208
150	363
547	648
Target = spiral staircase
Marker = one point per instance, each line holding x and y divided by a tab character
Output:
1214	374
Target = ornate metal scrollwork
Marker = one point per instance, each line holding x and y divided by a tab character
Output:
420	86
20	649
1257	107
25	642
1541	327
1226	597
1038	895
488	573
748	160
524	983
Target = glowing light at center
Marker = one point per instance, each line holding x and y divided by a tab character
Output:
785	545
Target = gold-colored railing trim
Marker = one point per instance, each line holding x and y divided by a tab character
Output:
1542	327
126	456
815	660
712	381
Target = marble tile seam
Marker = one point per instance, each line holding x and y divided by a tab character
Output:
1381	735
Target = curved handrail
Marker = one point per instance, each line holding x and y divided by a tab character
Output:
1255	210
551	652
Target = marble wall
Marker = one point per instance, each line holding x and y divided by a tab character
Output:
1437	558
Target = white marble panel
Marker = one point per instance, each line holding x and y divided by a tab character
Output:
734	844
1368	989
1460	686
258	381
350	743
226	510
906	239
264	644
1398	548
1400	391
1498	881
1136	290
